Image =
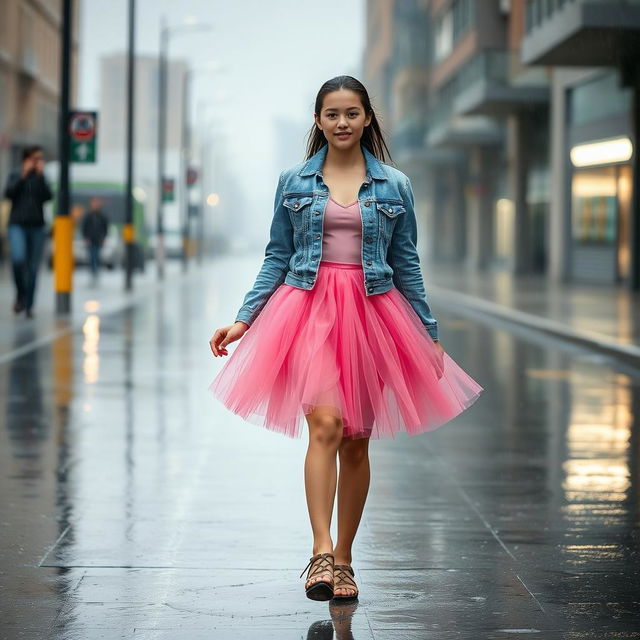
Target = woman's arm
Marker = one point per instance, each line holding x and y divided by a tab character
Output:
14	186
45	189
404	260
276	262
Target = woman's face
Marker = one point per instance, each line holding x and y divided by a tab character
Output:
342	119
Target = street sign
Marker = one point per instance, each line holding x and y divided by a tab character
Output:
83	126
168	190
192	176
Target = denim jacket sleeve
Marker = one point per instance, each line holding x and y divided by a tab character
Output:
274	268
405	262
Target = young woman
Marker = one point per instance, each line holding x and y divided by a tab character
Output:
338	328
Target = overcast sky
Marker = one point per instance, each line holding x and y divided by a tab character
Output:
277	52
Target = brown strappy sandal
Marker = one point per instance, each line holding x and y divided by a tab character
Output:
321	589
343	575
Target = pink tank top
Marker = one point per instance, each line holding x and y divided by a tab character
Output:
342	233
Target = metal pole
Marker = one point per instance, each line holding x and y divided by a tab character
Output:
635	181
203	204
162	113
184	167
63	224
128	227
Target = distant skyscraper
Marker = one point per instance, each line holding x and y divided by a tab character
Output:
113	102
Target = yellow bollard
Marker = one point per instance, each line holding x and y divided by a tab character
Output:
128	233
63	254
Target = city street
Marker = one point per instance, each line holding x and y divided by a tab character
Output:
134	505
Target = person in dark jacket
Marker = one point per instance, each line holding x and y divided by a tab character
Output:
95	226
28	190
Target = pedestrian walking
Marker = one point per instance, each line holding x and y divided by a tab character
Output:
95	227
337	327
28	190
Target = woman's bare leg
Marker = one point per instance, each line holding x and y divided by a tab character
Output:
353	487
320	474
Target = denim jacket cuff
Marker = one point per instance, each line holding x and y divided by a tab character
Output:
245	315
433	331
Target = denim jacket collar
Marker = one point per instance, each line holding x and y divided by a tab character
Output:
315	162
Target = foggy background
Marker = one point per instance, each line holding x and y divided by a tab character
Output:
276	54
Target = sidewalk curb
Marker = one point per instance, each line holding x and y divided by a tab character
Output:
591	340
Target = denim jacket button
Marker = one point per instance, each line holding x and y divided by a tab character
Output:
317	213
367	203
317	235
368	261
370	289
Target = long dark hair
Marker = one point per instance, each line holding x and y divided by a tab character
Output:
372	137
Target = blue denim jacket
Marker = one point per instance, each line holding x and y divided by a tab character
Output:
294	250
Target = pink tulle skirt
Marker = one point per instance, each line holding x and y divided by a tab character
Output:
367	360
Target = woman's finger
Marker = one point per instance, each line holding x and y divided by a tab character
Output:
214	341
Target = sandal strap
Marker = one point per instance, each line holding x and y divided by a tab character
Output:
319	563
345	567
341	574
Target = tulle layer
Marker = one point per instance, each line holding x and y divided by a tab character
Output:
366	359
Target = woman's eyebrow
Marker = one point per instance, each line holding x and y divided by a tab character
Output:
336	108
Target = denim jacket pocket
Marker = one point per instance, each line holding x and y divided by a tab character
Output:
391	212
297	206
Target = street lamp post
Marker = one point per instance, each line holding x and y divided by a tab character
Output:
128	227
63	225
206	142
166	31
212	68
162	114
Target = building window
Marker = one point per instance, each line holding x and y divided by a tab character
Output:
600	98
451	26
462	17
444	36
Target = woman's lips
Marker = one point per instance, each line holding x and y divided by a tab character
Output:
343	135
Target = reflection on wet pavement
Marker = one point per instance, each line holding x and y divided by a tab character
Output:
133	505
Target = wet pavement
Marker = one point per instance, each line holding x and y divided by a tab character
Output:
19	334
133	505
602	317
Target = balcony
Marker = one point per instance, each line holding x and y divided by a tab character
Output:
581	32
446	128
495	83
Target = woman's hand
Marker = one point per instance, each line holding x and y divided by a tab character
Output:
440	372
223	336
27	165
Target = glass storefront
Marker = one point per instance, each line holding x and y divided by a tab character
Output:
601	205
601	182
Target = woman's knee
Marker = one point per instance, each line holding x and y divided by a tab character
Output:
325	429
354	451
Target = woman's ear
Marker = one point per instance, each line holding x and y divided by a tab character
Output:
317	121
